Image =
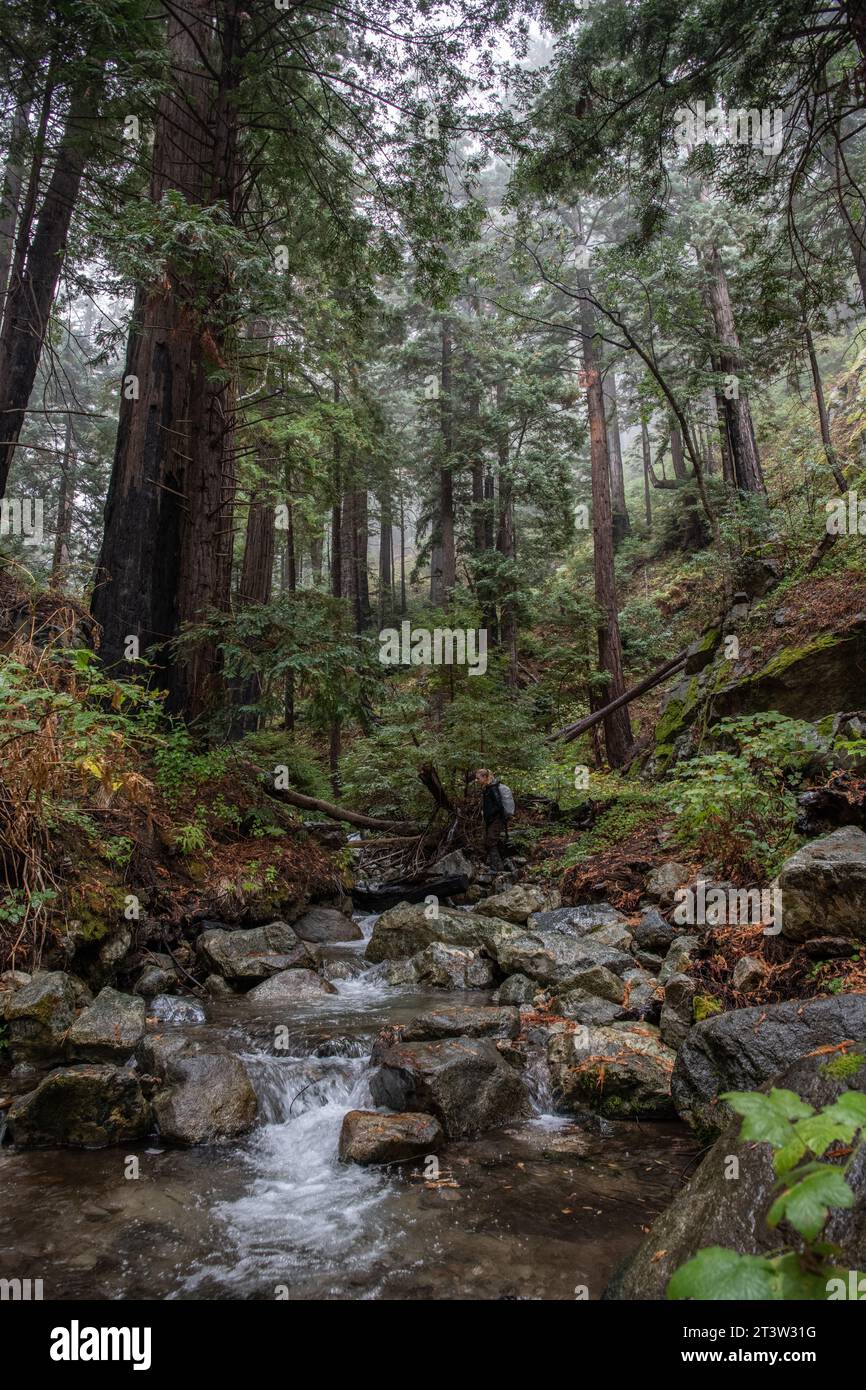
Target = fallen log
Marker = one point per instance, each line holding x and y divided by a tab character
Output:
327	808
572	731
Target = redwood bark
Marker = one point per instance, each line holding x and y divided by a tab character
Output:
167	550
443	572
617	727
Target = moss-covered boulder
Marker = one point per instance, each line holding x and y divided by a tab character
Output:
740	1050
39	1015
821	677
622	1071
81	1107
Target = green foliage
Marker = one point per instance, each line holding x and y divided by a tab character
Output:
806	1192
737	808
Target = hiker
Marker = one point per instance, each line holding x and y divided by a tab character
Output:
497	805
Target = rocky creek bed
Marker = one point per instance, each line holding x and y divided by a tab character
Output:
503	1098
533	1209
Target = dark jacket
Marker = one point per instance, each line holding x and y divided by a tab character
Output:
491	803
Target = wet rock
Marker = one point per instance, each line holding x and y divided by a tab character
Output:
115	948
823	887
169	1008
409	928
622	1071
677	1016
453	865
158	977
587	1008
462	1021
81	1107
577	921
206	1093
369	1137
618	937
462	1081
39	1015
643	996
246	957
110	1029
654	934
291	985
679	958
452	967
517	989
217	987
749	973
555	959
326	924
514	905
346	967
399	974
740	1050
601	982
713	1210
664	881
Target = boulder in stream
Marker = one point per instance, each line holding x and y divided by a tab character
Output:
452	967
205	1095
462	1021
81	1107
622	1071
462	1081
325	924
109	1029
740	1050
577	921
555	959
291	986
244	957
39	1015
409	928
367	1136
513	905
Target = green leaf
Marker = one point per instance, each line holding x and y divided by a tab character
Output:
767	1119
716	1274
805	1205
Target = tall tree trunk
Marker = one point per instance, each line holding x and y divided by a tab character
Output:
65	501
386	558
10	196
621	523
647	490
33	284
617	727
337	512
254	587
402	552
677	456
822	411
317	549
745	459
167	550
506	540
443	572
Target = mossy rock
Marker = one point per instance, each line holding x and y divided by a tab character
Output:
807	682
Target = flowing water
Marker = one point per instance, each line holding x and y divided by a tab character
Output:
539	1210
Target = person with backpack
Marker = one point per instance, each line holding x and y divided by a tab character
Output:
497	807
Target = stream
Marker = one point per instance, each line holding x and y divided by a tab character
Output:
536	1211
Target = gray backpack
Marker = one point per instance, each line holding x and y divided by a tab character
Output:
506	796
